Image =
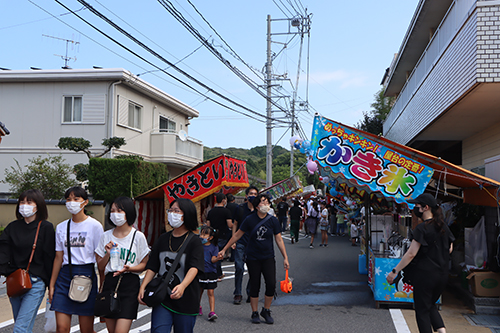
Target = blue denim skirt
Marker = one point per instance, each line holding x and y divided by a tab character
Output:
62	303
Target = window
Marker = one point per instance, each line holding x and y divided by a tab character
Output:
166	125
72	109
134	115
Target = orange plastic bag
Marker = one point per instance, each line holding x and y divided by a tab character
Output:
286	285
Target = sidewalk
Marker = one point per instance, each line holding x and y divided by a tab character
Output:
452	311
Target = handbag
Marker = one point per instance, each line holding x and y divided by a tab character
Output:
157	289
81	285
108	302
19	281
286	284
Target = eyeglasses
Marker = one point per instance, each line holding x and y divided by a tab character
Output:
174	211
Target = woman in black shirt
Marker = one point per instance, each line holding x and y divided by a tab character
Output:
16	244
430	248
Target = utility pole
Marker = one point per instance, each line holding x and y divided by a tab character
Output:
269	143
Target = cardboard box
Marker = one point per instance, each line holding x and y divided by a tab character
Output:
484	283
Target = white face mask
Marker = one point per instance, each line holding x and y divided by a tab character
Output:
175	220
74	207
27	210
118	219
264	209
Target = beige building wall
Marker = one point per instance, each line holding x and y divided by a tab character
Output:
57	213
477	148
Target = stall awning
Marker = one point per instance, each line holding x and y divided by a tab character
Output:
223	172
283	188
377	164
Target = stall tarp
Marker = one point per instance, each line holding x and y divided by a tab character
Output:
364	162
283	188
476	189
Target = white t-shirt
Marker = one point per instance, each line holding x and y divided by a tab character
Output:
354	230
324	217
84	237
139	250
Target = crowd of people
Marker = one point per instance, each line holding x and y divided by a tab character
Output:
57	259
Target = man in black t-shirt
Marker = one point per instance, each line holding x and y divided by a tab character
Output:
220	218
282	213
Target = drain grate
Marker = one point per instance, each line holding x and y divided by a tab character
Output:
484	320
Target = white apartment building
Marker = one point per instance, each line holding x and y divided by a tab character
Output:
40	106
446	77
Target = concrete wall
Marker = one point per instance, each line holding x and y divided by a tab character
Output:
481	146
57	213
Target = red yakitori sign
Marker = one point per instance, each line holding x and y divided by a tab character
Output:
208	178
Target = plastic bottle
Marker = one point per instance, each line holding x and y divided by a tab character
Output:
114	258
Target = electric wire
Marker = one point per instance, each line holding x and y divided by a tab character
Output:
176	63
128	35
279	7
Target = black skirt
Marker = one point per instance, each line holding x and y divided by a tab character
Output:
127	291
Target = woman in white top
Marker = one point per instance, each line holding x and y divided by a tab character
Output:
84	235
130	263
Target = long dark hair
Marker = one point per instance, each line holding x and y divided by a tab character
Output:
437	218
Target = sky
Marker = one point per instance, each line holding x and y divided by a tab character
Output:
351	44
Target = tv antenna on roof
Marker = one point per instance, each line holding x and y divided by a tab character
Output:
65	57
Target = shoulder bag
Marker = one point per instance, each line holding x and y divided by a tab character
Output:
19	281
108	302
81	285
157	289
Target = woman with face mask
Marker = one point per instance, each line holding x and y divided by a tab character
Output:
84	235
133	250
16	245
261	228
430	248
179	309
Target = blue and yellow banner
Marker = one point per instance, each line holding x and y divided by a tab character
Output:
345	152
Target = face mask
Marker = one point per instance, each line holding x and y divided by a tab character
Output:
74	207
175	220
250	198
204	240
264	209
27	210
118	219
417	212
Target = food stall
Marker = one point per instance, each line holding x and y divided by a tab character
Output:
284	188
220	174
381	175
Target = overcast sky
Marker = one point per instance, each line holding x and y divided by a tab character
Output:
351	45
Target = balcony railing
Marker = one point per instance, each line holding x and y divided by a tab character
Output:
167	147
453	20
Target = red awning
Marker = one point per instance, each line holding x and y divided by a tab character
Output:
223	172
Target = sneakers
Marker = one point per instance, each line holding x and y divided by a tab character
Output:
266	314
320	245
212	316
255	317
325	245
201	312
311	246
237	299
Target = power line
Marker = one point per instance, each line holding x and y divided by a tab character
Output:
187	56
128	35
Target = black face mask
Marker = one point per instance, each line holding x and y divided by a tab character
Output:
417	212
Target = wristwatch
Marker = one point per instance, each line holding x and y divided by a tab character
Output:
394	271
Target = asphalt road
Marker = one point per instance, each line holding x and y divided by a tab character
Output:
329	295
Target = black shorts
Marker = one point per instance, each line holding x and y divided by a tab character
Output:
127	291
208	280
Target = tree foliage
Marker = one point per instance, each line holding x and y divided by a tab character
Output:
373	120
48	174
81	144
111	178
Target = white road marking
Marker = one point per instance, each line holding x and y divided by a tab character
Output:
399	321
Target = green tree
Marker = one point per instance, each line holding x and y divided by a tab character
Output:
77	145
81	144
373	120
48	174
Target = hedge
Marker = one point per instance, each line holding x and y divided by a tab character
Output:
111	178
